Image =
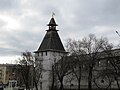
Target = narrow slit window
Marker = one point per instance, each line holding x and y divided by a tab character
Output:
46	53
41	53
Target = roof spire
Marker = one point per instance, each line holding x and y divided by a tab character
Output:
53	14
52	21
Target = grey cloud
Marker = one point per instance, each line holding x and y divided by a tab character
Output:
2	23
8	4
101	13
78	17
9	52
21	41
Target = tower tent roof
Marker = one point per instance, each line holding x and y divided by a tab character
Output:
51	41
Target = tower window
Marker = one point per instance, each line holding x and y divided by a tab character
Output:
41	53
38	54
46	53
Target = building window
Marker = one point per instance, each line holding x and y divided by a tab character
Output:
46	53
38	54
41	53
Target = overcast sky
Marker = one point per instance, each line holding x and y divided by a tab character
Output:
23	22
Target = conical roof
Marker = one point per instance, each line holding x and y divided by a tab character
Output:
52	22
51	41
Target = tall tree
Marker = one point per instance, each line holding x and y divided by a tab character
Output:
37	72
113	57
89	49
74	48
92	46
30	69
26	66
61	69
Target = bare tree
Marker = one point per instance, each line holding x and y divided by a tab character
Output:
37	72
26	66
93	46
77	54
88	53
61	69
30	70
69	79
113	57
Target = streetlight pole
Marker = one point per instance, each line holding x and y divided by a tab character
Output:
118	33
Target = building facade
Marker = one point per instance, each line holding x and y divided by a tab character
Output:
2	74
8	75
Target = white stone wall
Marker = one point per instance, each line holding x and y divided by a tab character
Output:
48	59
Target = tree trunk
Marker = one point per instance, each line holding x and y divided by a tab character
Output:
61	84
79	83
27	87
36	86
79	78
90	78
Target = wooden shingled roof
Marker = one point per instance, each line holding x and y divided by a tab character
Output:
51	41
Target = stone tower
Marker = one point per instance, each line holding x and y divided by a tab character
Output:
50	49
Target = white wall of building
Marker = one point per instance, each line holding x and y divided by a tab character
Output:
47	58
